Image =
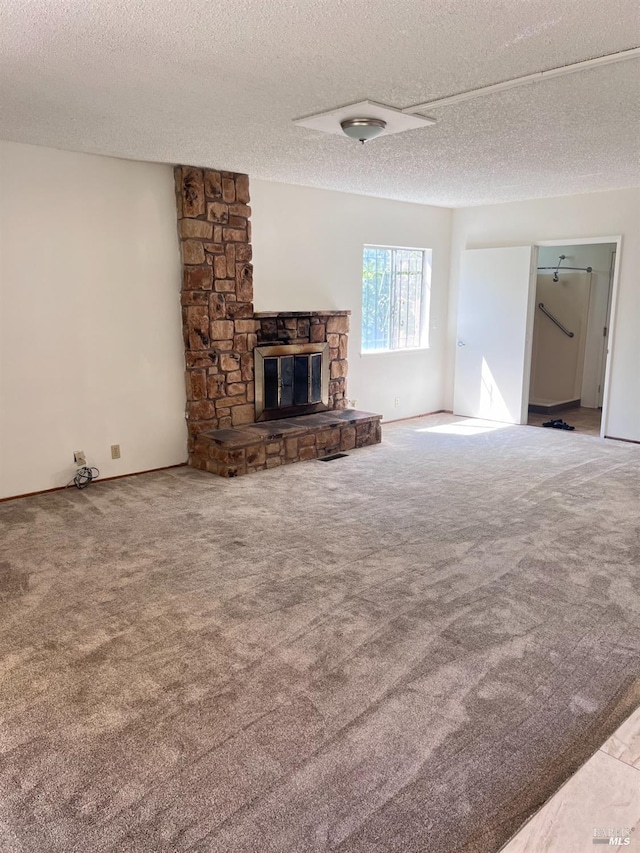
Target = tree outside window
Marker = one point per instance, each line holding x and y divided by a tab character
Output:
395	296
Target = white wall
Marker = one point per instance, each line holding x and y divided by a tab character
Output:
604	214
308	256
90	332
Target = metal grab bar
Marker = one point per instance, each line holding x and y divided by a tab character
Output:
553	319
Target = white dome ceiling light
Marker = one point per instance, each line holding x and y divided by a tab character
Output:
364	121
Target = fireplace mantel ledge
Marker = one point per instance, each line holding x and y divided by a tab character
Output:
328	313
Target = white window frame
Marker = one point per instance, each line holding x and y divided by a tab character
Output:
427	262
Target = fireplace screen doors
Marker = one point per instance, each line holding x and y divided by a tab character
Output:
291	380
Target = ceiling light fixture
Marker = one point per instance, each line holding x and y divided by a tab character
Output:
364	120
363	129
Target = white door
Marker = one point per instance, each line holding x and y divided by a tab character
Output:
495	323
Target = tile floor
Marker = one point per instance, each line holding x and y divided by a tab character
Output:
585	421
603	794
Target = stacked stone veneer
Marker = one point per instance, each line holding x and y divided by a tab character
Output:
220	327
217	298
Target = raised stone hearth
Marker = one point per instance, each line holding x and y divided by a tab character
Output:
221	332
255	447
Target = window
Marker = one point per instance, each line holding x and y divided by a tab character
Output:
395	298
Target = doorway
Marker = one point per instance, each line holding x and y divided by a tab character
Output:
571	322
496	316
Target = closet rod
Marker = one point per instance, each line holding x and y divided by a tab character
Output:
582	269
559	266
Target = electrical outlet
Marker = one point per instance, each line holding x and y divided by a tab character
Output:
79	458
115	451
396	402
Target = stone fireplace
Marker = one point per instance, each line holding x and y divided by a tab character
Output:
231	433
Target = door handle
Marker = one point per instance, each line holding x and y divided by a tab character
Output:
461	343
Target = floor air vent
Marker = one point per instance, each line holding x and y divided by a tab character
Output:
332	457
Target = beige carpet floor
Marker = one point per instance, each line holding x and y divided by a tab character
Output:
408	649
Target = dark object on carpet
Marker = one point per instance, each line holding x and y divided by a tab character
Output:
558	423
333	456
410	651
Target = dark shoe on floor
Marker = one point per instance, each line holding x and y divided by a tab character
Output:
553	423
563	425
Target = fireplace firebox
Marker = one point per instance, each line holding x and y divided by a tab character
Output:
291	379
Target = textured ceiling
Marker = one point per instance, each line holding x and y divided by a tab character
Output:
219	83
